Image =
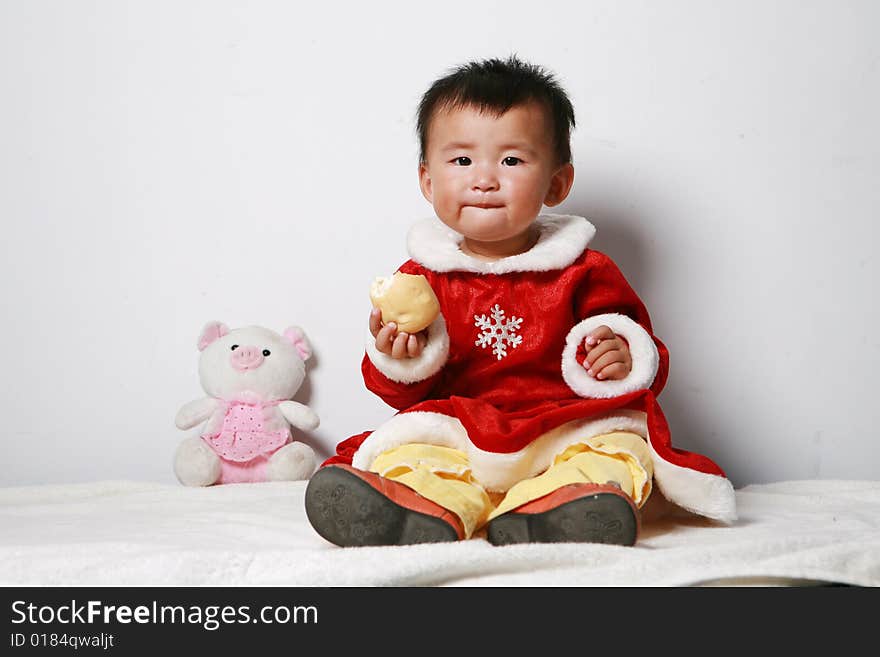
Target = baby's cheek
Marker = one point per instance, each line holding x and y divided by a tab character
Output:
450	212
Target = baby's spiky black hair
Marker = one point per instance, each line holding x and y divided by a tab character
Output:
496	85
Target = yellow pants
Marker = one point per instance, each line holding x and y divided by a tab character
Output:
443	475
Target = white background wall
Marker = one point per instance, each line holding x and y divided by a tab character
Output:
166	163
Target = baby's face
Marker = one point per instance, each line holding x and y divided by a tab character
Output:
488	176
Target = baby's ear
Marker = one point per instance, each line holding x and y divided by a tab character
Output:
560	185
425	183
212	331
296	337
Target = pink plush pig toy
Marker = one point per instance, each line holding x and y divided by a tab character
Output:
250	375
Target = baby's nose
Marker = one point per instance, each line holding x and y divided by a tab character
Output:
485	179
486	184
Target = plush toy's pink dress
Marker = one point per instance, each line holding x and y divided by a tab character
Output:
246	440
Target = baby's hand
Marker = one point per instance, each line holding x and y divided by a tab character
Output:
608	355
394	344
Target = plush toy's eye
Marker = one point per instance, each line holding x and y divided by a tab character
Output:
234	347
266	352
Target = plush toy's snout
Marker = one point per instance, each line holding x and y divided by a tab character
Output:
246	358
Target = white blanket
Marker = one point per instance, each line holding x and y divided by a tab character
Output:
130	533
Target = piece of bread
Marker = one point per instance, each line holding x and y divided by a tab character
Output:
405	299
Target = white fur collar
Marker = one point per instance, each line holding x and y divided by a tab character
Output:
563	238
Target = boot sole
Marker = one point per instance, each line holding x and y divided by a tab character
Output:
347	511
598	518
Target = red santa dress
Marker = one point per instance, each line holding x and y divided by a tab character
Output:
501	376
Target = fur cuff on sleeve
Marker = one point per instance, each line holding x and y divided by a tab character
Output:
644	353
411	370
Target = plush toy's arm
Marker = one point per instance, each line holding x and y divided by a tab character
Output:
195	412
299	415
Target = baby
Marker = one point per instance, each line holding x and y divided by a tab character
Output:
528	407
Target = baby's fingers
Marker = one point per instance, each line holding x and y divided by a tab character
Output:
414	345
599	366
598	334
614	372
375	321
594	353
398	349
385	338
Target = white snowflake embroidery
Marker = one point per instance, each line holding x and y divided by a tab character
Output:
498	332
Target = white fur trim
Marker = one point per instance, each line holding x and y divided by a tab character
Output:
410	370
496	472
645	358
701	493
562	239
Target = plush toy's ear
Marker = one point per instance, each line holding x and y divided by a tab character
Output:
299	340
212	331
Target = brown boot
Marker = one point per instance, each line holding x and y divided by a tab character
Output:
351	507
575	513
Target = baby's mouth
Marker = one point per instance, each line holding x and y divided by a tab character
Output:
486	206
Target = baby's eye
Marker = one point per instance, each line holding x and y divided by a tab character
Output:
511	161
463	161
